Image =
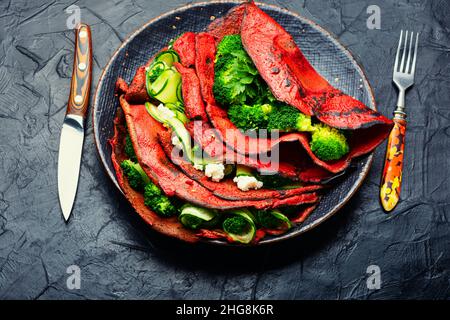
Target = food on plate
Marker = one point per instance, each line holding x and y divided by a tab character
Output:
231	134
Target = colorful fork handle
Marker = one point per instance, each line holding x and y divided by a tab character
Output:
391	180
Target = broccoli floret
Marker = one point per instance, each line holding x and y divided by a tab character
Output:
273	219
236	80
269	116
250	117
135	175
129	150
158	202
236	225
154	73
287	118
240	226
328	143
228	45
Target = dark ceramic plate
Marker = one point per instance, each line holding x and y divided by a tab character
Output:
325	53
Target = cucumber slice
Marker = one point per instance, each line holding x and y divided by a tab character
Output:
155	70
273	219
240	226
175	106
167	93
160	83
229	168
179	93
243	171
168	57
194	217
153	111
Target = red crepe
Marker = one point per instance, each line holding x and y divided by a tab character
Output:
205	53
190	87
228	24
185	47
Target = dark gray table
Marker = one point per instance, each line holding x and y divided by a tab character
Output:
119	257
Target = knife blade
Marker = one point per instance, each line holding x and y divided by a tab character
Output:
72	132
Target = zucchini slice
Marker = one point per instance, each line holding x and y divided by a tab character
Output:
164	88
273	219
169	57
243	171
194	217
160	83
179	93
240	226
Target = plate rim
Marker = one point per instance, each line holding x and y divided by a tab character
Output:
287	236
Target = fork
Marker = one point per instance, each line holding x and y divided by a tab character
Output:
403	78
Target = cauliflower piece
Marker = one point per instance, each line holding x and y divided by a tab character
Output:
215	171
165	112
198	166
246	183
177	142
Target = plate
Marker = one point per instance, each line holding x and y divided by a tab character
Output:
330	58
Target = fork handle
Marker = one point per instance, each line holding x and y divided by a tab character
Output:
391	180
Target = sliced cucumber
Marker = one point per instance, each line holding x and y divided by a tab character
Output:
194	217
164	88
155	70
273	219
179	93
175	106
243	171
160	83
229	168
168	57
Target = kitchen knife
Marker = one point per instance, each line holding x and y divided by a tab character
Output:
72	132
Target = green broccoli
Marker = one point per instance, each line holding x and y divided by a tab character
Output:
250	117
236	80
229	45
287	118
158	202
135	175
274	116
129	150
240	226
273	219
328	143
236	225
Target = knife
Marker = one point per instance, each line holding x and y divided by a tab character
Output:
72	132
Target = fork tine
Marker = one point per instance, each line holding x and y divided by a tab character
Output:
402	64
397	56
408	66
413	68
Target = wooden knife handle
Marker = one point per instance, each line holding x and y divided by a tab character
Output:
391	180
80	85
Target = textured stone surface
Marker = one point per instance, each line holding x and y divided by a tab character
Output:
120	257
